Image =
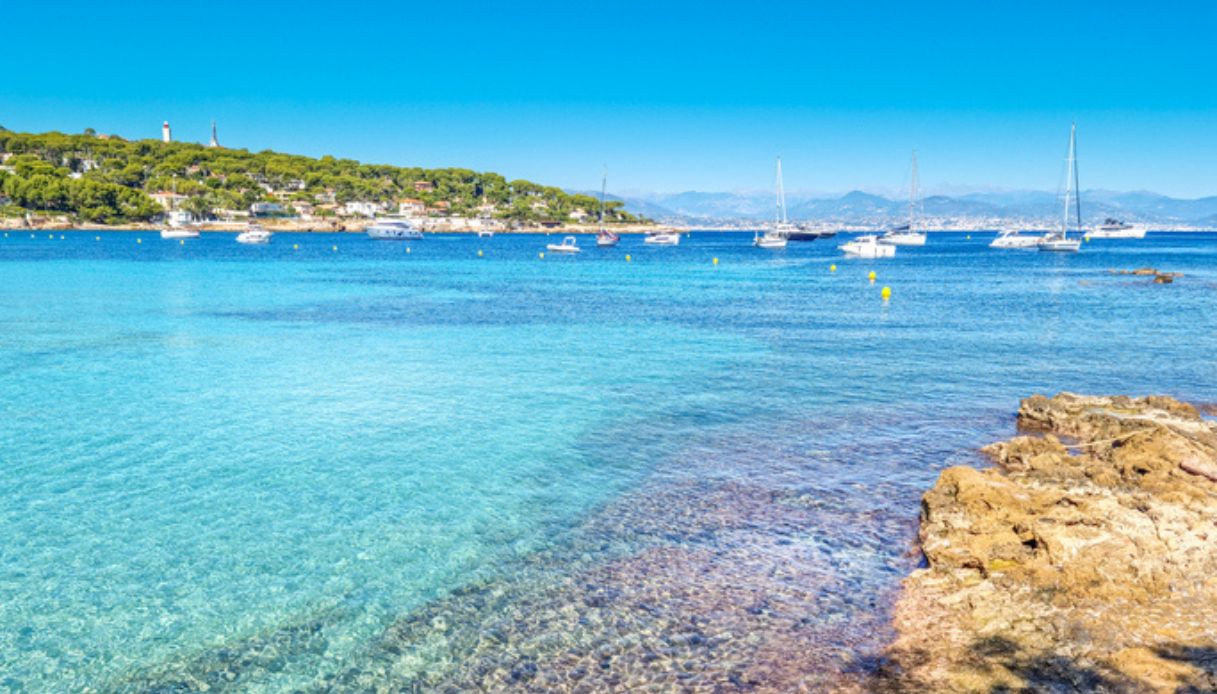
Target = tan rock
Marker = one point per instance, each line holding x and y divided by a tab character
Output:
1083	561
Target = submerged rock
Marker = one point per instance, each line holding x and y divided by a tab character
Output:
1083	561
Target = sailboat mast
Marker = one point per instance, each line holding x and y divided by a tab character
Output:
1077	189
1069	182
913	182
603	188
781	196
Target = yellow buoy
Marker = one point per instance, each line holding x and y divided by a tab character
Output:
886	293
541	255
716	261
96	238
139	240
479	253
627	258
871	276
832	268
295	246
334	248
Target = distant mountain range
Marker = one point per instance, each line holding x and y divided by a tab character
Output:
857	207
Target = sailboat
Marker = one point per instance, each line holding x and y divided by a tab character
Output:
906	234
604	237
177	230
777	235
1059	241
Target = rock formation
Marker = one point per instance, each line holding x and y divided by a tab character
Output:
1084	560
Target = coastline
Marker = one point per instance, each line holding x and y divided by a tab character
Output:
1081	561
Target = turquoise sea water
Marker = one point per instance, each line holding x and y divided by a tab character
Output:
228	468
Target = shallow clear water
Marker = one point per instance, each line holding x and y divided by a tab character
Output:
262	469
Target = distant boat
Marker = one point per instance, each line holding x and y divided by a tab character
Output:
666	237
1059	241
568	245
254	234
907	235
868	246
177	230
389	229
604	237
485	233
776	236
1011	238
1116	229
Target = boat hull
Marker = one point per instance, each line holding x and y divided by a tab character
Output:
556	248
1061	245
903	240
1023	242
662	240
771	244
253	239
395	234
179	234
1117	234
867	247
803	236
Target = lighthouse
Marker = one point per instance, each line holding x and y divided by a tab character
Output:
165	136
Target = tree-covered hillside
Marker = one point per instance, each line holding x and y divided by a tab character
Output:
108	179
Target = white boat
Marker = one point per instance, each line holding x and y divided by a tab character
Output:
776	236
906	234
1116	229
485	233
663	238
1011	238
568	245
254	235
177	230
868	246
1059	241
179	233
604	237
388	229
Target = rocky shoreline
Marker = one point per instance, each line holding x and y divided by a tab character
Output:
1083	561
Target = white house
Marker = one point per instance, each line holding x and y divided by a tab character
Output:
362	209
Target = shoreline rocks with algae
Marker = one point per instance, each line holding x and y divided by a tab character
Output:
1084	560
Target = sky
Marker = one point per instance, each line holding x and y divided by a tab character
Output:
667	96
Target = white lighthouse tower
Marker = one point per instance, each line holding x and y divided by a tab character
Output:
165	135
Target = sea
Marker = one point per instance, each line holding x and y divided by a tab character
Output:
332	464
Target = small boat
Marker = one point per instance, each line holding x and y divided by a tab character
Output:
1117	229
388	229
485	233
255	234
568	245
176	232
772	239
905	235
780	233
604	237
1012	239
662	238
868	246
1059	241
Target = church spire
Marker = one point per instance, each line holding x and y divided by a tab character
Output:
214	142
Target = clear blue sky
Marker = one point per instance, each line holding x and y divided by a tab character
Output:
669	95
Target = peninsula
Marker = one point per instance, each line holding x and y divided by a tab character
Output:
90	180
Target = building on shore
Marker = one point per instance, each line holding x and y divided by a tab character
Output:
166	199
